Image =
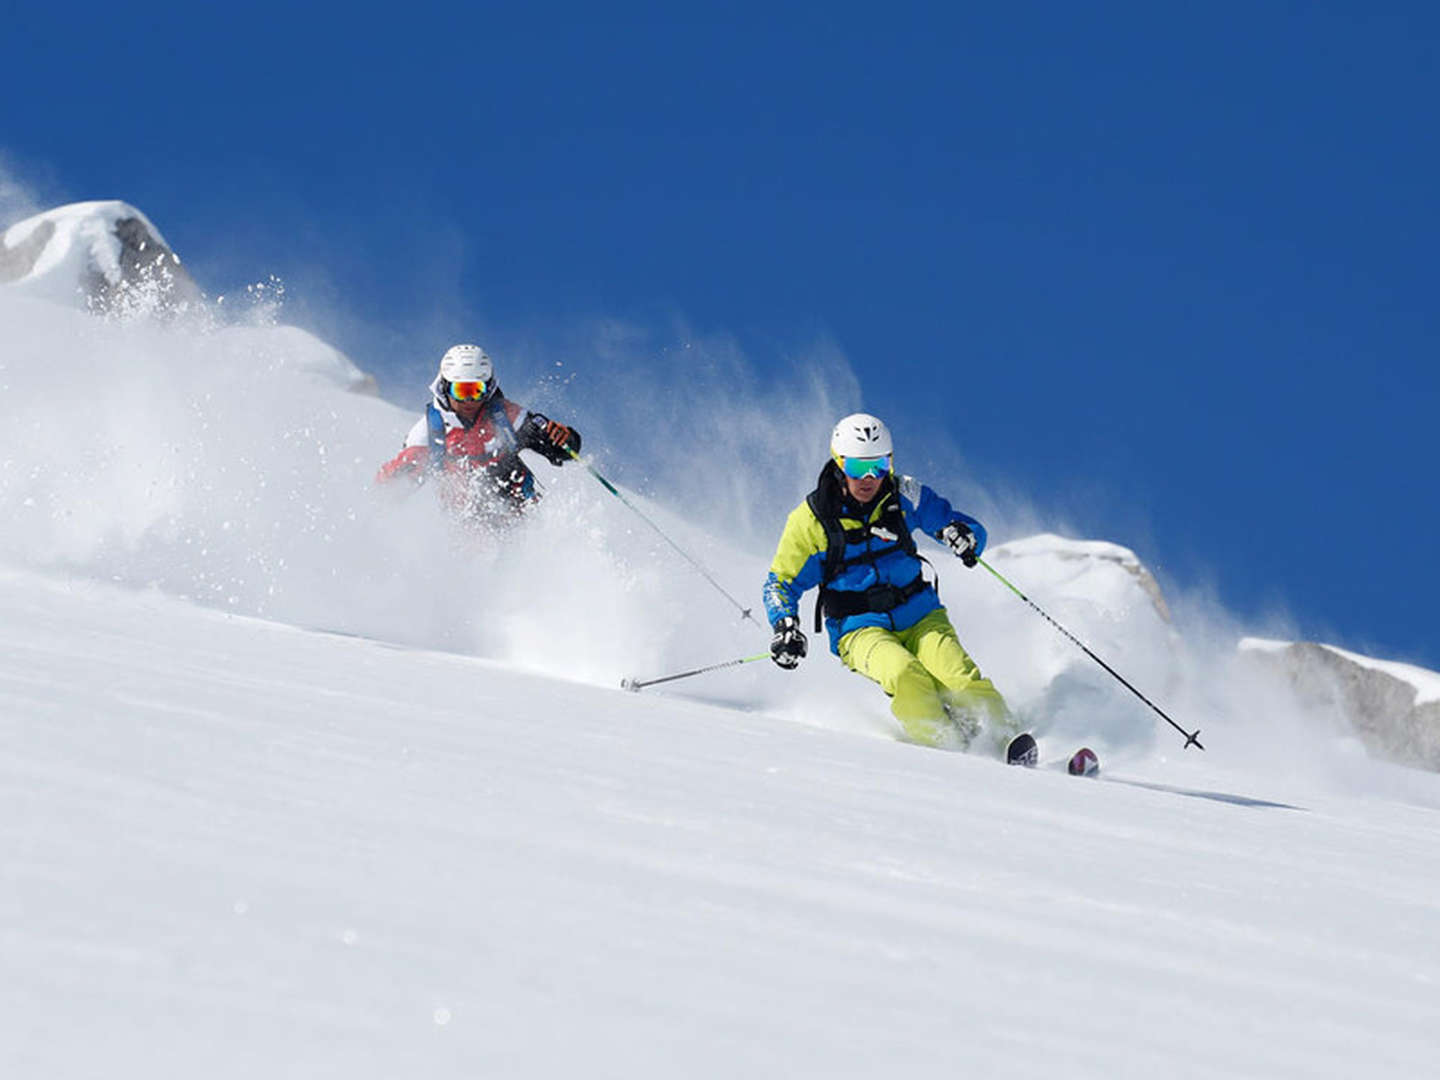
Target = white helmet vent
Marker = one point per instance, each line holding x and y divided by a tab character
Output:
861	435
466	363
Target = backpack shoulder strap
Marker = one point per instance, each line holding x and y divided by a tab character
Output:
894	520
834	537
435	424
500	424
834	545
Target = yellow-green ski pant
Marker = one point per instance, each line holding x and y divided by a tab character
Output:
937	692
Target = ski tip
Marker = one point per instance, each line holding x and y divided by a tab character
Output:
1023	751
1083	762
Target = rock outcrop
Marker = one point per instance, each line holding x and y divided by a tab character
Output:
102	256
1393	708
109	259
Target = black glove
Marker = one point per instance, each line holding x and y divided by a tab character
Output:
788	646
959	539
549	438
511	478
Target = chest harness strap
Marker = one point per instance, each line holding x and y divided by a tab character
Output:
894	535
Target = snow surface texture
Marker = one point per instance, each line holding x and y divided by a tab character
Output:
232	848
305	780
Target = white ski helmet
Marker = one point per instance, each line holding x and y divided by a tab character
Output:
466	363
861	435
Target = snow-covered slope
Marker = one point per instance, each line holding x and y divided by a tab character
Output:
232	848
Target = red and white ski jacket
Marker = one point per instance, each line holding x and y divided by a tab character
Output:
440	439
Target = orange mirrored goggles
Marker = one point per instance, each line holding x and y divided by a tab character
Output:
468	391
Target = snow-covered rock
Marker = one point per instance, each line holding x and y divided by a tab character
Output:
102	256
1102	572
1098	591
1393	708
108	258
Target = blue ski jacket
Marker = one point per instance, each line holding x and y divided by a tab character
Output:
871	574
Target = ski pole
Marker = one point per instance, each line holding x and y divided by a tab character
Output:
639	684
1191	738
744	611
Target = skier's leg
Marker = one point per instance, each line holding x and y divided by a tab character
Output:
879	654
970	697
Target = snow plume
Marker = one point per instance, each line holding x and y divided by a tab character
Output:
721	450
714	450
691	418
16	201
187	458
229	465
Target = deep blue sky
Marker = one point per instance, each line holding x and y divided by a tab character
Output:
1169	270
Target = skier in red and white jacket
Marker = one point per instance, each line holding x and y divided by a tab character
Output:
470	439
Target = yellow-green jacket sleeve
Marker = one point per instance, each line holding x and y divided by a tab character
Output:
798	564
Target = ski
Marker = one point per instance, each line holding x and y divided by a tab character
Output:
1083	763
1023	751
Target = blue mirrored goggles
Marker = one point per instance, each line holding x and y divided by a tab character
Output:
863	468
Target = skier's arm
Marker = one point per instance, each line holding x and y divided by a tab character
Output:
413	456
410	460
797	567
932	513
552	440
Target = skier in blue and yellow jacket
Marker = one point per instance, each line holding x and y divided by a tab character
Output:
851	537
